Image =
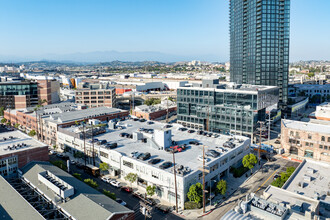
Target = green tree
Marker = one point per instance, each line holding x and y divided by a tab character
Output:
2	109
310	75
54	147
77	175
91	183
249	161
3	121
151	190
16	125
109	194
131	177
32	133
195	193
222	187
104	166
78	154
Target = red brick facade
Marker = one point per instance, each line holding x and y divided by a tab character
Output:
28	155
153	115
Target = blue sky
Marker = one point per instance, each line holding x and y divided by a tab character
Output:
183	27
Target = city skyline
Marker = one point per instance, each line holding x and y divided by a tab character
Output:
184	30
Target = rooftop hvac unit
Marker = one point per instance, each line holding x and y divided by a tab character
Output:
307	178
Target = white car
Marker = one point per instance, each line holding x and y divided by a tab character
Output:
52	152
106	179
115	183
200	158
72	162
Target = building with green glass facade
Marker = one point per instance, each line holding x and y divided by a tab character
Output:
18	94
231	108
259	43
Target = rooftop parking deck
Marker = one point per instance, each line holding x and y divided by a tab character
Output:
187	158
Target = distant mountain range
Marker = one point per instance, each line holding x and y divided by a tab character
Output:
108	56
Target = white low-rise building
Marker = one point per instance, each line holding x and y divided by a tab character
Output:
157	141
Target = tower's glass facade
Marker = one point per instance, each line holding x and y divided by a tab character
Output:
259	43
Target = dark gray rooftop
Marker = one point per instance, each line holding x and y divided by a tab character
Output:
86	203
13	205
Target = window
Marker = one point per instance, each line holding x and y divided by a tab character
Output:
128	164
321	146
326	147
307	144
103	154
328	139
291	133
322	138
309	136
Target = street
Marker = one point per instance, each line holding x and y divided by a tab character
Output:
132	201
257	184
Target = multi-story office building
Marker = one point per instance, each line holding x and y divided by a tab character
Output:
96	95
118	151
18	94
228	108
259	43
49	91
306	139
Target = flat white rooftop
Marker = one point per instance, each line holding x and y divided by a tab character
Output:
316	178
18	138
319	126
187	157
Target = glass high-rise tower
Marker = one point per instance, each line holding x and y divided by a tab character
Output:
259	43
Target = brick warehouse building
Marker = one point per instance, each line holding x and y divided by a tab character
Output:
18	149
60	115
306	139
155	112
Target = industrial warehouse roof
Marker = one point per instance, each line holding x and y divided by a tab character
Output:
318	126
18	138
13	205
187	157
315	177
83	114
86	202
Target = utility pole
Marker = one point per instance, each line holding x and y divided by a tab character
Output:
167	110
176	190
93	146
84	143
203	180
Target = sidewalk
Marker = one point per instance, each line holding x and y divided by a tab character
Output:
233	185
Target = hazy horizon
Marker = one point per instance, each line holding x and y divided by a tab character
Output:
172	30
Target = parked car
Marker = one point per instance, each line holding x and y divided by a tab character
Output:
106	179
277	142
168	126
150	122
163	208
200	158
154	161
72	162
182	129
52	152
101	142
200	132
115	183
123	134
177	148
80	165
212	153
165	165
135	119
144	156
134	154
126	189
120	201
111	146
194	142
142	120
191	131
59	155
